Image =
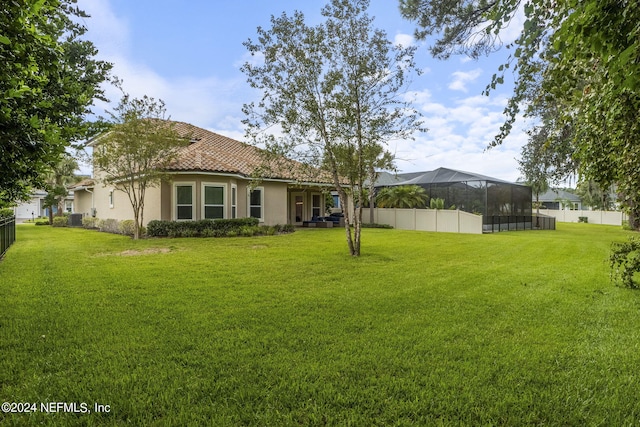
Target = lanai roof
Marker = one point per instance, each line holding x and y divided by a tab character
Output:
438	176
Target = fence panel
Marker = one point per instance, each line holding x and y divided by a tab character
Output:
7	234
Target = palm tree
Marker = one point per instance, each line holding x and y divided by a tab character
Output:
403	196
60	176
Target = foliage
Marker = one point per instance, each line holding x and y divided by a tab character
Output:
402	196
49	80
90	222
376	225
201	228
56	183
60	221
127	227
594	196
578	68
42	221
436	203
109	225
6	213
133	155
534	163
625	263
335	90
470	331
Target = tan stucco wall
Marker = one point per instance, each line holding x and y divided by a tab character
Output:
160	201
275	197
121	208
82	202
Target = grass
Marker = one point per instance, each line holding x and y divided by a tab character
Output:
519	328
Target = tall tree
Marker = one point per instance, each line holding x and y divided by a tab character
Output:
133	155
48	82
334	92
60	176
583	55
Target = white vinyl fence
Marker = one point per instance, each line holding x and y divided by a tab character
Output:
449	221
593	217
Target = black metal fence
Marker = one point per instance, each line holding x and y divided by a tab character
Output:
7	234
518	222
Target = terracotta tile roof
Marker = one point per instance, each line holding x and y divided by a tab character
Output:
212	152
87	182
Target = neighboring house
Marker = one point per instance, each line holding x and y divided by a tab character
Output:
212	179
35	206
559	200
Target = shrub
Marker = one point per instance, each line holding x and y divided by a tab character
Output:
60	221
625	263
42	221
90	222
109	225
436	203
375	225
584	219
6	213
204	227
127	227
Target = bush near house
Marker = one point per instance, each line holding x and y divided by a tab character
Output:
60	221
6	213
90	222
202	228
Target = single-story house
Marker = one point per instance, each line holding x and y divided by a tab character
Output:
557	199
35	206
214	177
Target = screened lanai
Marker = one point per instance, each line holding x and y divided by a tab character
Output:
496	200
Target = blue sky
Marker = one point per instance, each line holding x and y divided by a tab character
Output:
189	53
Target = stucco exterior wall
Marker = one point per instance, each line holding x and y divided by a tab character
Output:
83	202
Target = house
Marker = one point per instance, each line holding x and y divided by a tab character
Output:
212	178
35	206
557	199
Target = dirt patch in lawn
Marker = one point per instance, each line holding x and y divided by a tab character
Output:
134	252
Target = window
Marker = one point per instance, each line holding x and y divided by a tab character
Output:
213	201
234	203
111	199
315	206
184	202
256	200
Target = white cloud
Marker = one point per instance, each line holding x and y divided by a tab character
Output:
459	135
205	101
461	78
404	40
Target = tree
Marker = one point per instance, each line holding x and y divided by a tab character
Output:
334	92
594	196
534	164
584	56
402	196
56	185
48	82
133	155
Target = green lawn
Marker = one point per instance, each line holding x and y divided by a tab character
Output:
516	328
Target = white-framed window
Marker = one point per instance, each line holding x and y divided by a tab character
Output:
234	201
111	199
255	203
316	209
213	197
184	198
